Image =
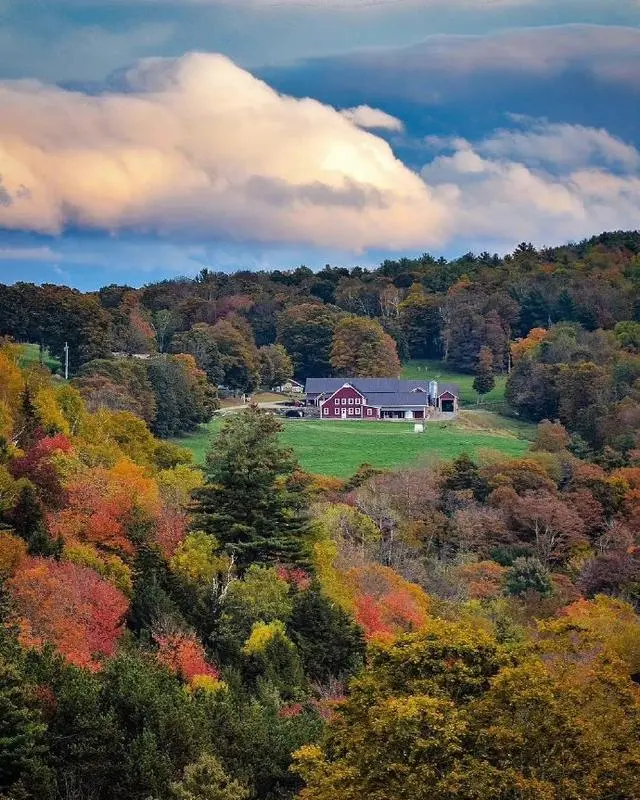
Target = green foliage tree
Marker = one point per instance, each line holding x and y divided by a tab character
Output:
253	502
160	730
528	575
628	335
206	780
261	596
484	380
271	657
200	342
463	474
275	365
421	323
361	348
27	519
331	644
21	730
183	399
306	332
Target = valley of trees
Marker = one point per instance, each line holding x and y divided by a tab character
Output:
564	322
247	631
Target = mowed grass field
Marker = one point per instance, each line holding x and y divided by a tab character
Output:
436	370
31	355
339	448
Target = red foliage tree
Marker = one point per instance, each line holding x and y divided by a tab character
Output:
184	655
294	576
171	530
38	467
69	606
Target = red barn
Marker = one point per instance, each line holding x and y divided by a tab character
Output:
379	398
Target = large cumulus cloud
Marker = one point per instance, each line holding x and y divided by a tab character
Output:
198	151
199	147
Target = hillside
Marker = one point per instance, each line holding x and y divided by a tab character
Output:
274	622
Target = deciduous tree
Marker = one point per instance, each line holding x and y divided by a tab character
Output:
360	348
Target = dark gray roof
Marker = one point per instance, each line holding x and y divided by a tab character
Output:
453	388
394	385
386	399
375	386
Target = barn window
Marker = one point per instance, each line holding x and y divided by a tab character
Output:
351	401
358	401
358	412
336	401
351	411
344	401
369	412
325	411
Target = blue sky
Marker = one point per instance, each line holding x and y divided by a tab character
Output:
144	139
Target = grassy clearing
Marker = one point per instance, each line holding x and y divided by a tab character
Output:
339	448
436	370
258	397
31	355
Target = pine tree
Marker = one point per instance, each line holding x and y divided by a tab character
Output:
20	731
27	519
252	502
30	424
331	644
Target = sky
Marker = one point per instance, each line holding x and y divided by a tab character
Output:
146	139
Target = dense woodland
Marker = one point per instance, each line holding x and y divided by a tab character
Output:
466	631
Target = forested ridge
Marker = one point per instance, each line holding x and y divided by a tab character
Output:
452	631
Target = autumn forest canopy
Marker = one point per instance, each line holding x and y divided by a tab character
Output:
246	630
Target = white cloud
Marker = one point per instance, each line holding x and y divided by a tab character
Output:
197	146
548	184
555	145
198	150
28	254
372	118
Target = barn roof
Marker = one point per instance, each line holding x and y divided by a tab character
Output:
386	399
377	386
364	385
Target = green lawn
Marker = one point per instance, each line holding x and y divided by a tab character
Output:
339	448
31	355
436	370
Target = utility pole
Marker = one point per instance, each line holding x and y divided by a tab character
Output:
66	361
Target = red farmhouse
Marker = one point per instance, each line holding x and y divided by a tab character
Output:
379	398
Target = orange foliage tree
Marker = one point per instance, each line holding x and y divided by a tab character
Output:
13	552
385	604
184	655
101	503
526	346
68	606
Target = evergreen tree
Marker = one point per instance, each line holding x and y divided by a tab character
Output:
20	731
252	502
329	641
528	575
29	422
463	474
27	520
